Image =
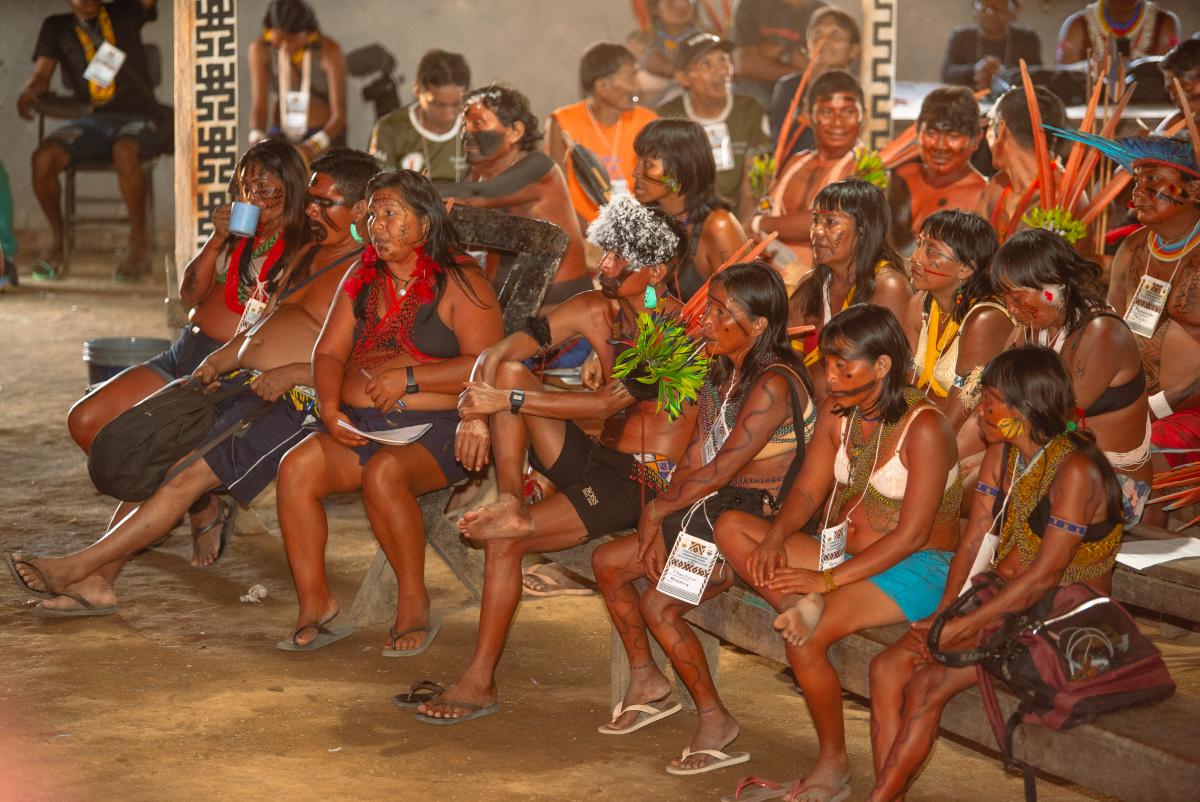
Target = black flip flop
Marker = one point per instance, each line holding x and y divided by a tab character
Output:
85	609
12	563
420	693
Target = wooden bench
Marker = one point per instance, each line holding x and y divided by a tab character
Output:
1145	754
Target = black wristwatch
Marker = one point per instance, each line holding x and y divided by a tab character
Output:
515	401
411	387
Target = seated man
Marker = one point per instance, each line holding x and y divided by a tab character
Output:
975	53
424	136
272	358
943	177
601	483
1182	64
835	105
734	123
834	43
507	172
770	37
1014	190
605	122
1166	200
1133	28
122	126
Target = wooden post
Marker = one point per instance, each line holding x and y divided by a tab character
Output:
206	116
878	67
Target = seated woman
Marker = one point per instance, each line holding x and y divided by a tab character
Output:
1059	524
742	455
885	458
396	348
675	172
308	70
955	322
271	176
1054	293
854	262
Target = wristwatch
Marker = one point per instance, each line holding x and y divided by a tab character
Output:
515	400
411	387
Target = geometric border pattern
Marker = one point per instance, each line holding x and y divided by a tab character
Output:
878	68
215	131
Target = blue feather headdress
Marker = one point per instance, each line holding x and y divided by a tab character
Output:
1129	151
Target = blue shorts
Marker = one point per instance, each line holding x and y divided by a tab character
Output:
916	583
184	355
91	138
438	441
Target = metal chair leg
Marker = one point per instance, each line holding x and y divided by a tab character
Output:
68	219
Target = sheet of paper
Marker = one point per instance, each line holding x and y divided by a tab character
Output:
1143	554
391	437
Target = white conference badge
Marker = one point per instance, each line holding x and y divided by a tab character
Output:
103	68
721	144
251	314
1147	306
833	546
414	161
293	111
690	563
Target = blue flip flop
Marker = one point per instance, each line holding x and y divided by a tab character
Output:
473	711
325	636
433	626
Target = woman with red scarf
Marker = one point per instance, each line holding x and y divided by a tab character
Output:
397	346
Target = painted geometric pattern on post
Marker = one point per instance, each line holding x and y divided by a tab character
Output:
878	67
216	95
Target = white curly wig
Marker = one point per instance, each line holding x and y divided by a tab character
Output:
632	231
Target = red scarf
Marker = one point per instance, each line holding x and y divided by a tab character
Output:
382	337
421	285
233	299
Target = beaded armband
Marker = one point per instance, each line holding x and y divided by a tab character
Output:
1066	526
986	489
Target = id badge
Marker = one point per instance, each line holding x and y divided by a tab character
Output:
721	144
716	438
689	566
983	560
833	546
1147	306
251	314
295	118
105	65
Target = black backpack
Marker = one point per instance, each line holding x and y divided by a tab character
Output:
132	454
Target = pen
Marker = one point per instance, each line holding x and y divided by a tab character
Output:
399	403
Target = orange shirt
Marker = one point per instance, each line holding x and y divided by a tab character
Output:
613	146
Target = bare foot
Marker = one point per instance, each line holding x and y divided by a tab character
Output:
647	684
463	691
95	589
318	614
717	730
506	517
136	264
206	531
796	622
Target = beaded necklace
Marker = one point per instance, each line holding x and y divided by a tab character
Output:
1121	30
1166	251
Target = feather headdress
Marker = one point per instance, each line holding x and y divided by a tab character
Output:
629	229
1130	151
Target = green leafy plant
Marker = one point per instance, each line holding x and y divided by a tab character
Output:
869	167
762	172
1057	220
663	357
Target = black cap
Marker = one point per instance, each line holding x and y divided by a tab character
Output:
696	46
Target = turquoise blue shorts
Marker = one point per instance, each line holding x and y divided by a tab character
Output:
916	583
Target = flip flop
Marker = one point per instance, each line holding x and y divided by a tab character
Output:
647	714
325	636
474	711
756	789
12	563
553	581
722	761
44	271
820	793
226	516
433	626
420	693
85	610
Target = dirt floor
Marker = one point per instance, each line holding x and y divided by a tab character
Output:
183	696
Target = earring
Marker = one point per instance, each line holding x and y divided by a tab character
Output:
651	298
355	235
1010	428
671	183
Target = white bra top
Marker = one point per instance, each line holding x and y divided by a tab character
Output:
890	479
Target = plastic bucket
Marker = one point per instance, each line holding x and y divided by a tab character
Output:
108	356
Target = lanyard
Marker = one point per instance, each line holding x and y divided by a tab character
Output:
99	94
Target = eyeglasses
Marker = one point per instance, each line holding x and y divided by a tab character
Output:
923	245
327	203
